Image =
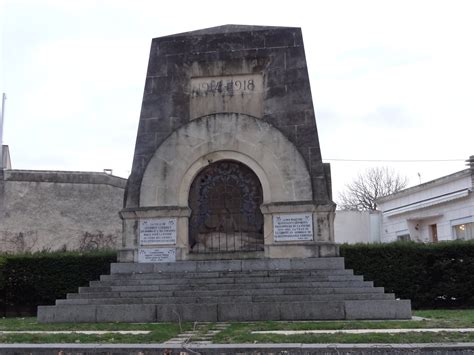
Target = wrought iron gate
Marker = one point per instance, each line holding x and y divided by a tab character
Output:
225	199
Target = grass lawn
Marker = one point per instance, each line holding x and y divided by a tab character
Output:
159	332
241	332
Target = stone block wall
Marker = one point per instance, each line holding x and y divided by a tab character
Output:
57	210
276	53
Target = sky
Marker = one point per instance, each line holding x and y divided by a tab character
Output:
392	81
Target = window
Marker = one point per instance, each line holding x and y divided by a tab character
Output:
464	231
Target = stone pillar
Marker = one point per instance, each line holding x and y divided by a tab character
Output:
134	234
315	239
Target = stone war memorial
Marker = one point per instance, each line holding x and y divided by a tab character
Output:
228	213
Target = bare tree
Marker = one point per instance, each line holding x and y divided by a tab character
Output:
362	193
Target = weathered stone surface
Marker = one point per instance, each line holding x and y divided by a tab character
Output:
248	311
270	264
130	267
232	93
312	310
75	313
187	312
259	144
276	53
223	265
316	264
51	210
378	309
233	290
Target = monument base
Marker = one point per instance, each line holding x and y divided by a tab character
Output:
271	251
228	290
302	250
302	229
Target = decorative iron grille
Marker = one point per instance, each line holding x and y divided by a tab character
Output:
225	199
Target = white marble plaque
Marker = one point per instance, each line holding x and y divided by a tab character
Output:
157	255
158	231
293	227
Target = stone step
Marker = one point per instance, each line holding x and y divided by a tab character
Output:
226	286
233	274
237	290
223	280
217	300
300	298
251	311
230	265
223	293
311	272
155	300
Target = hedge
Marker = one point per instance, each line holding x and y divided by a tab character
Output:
29	280
431	275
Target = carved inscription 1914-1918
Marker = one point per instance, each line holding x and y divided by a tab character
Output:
232	93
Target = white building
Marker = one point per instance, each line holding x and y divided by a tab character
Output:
357	227
438	210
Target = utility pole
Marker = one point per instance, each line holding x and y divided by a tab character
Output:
4	98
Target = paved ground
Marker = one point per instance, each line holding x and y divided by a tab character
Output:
366	331
242	349
199	335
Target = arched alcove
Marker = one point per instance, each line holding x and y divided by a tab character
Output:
275	160
225	199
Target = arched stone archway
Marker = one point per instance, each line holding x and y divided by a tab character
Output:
279	165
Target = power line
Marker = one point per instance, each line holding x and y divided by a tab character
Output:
397	160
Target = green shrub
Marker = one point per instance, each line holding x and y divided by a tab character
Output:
431	275
29	280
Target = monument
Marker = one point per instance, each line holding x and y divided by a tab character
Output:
228	213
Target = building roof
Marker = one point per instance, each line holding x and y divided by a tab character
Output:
436	182
432	201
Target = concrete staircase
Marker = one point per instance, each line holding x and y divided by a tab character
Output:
228	290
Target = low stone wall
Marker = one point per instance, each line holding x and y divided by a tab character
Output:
54	210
